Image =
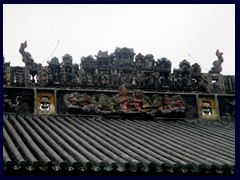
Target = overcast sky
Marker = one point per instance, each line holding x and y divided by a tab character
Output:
192	32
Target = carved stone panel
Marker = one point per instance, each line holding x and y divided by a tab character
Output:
7	74
45	102
191	110
76	102
207	108
123	102
227	107
44	76
17	76
216	83
18	100
32	74
117	69
229	82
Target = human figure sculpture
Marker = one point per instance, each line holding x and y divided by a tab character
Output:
134	81
142	79
89	79
168	103
107	78
96	78
140	102
178	103
139	59
114	78
137	102
149	61
174	104
124	100
102	79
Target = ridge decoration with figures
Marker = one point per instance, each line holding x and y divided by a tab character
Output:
119	83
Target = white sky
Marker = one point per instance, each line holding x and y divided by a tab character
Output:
164	30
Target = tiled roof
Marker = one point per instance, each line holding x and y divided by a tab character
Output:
113	144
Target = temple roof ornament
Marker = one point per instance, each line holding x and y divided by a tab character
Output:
163	65
26	56
217	68
54	62
116	114
122	67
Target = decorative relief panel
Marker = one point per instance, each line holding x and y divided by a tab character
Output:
227	107
45	102
207	108
7	74
122	67
119	83
216	83
229	83
18	100
121	102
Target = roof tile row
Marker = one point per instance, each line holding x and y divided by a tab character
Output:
115	144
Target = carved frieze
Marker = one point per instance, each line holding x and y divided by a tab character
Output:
119	83
117	69
122	102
